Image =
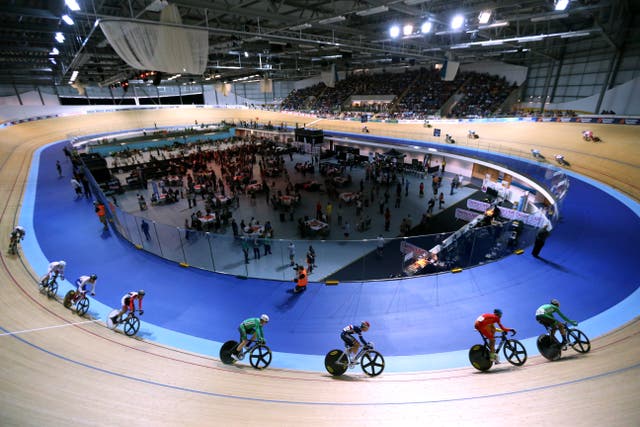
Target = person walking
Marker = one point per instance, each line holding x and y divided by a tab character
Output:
541	238
144	225
101	211
266	241
441	200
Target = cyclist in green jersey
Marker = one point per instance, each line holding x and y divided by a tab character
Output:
252	326
545	316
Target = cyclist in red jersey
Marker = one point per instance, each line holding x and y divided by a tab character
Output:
485	324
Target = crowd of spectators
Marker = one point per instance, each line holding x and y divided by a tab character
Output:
418	94
483	95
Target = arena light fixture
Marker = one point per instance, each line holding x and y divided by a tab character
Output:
394	31
373	11
54	51
74	76
67	19
59	37
561	4
72	4
456	22
484	16
301	27
414	2
495	24
332	20
549	17
407	30
426	27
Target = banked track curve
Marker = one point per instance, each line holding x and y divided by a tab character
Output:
61	370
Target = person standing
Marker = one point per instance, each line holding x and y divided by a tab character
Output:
245	249
380	248
387	219
145	229
256	248
77	187
441	200
541	237
347	229
101	211
329	210
311	259
266	241
59	168
234	227
292	252
421	192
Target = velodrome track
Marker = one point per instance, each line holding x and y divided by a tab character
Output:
89	375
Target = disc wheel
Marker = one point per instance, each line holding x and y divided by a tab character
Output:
82	306
335	362
479	358
515	352
131	326
226	350
111	314
548	348
67	299
372	363
578	341
260	356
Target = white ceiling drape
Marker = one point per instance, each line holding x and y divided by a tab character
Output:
158	47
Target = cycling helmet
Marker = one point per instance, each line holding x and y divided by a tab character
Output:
497	312
62	264
365	324
19	228
264	318
93	277
555	302
141	292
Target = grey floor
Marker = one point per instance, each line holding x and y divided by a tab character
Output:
223	253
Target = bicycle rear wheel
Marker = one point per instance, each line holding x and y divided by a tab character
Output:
515	352
226	350
548	348
52	289
372	363
479	357
336	362
578	341
67	299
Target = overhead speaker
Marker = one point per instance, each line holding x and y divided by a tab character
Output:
157	78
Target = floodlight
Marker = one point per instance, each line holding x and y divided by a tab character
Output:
426	27
484	16
394	31
54	51
457	22
407	29
67	19
562	4
59	37
72	4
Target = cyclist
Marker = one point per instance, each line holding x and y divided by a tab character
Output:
251	326
347	336
56	269
127	304
301	279
82	283
485	324
16	235
544	316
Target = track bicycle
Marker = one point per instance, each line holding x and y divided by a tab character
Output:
78	300
13	246
49	286
513	350
259	354
551	348
130	323
336	362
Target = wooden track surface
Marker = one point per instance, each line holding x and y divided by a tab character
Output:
85	374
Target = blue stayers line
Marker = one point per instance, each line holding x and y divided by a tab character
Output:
289	402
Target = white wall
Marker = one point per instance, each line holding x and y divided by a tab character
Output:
624	99
30	98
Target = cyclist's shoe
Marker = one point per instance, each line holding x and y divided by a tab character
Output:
114	320
493	356
496	361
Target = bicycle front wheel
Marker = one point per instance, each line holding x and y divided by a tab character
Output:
131	326
372	363
260	357
578	341
515	352
82	306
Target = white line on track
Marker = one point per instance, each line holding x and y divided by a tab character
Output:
313	122
48	327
